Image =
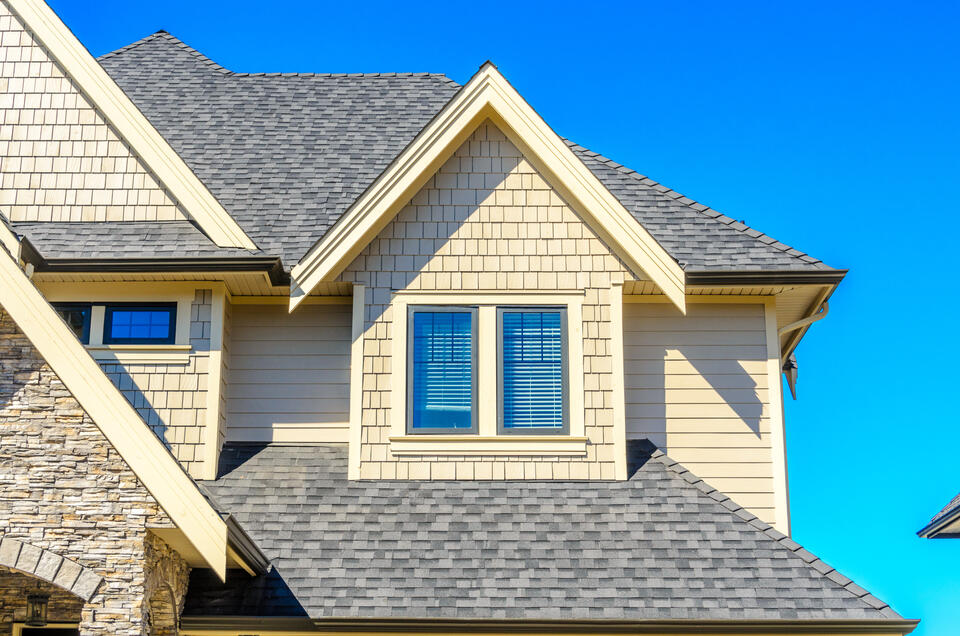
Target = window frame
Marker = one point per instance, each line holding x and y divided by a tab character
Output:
85	337
564	428
110	308
474	371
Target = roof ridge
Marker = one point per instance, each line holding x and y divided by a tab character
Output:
702	209
165	35
169	37
811	560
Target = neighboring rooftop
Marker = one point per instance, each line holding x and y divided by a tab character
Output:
946	523
288	153
662	545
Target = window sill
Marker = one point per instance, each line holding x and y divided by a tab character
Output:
513	445
141	354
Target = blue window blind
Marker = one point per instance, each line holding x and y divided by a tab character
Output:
443	374
532	369
148	324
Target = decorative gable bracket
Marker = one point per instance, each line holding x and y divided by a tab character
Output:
488	95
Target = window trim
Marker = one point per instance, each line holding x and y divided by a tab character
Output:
564	428
85	337
474	371
110	308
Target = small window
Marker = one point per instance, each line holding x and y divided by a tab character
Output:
140	324
532	357
442	390
77	317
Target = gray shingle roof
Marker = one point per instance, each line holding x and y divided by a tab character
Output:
288	153
662	545
124	239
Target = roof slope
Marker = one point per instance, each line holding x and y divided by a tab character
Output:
124	240
287	154
662	545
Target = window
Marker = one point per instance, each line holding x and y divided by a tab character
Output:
77	317
140	324
442	395
532	364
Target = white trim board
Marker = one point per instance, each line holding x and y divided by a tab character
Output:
146	142
487	95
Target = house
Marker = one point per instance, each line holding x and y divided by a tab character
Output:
288	353
945	524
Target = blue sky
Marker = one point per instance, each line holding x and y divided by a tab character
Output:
831	126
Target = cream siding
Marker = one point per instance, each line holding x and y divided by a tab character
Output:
59	158
487	221
172	398
289	373
698	387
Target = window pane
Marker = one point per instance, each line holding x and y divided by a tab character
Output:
532	369
77	318
442	370
140	324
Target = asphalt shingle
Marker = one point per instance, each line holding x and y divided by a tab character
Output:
288	153
662	545
123	240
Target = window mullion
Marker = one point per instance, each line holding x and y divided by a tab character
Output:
487	371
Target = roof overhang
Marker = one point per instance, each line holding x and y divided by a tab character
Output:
749	278
131	124
487	95
163	477
271	265
230	625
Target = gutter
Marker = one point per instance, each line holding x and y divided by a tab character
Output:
216	625
244	549
270	264
748	278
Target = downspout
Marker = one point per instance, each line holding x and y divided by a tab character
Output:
790	365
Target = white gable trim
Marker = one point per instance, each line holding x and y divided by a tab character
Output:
487	95
123	427
130	123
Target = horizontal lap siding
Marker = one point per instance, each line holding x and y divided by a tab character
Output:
289	374
697	386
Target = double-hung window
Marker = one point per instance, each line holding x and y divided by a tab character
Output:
442	391
532	371
528	395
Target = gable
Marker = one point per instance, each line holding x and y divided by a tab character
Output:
486	220
73	146
488	96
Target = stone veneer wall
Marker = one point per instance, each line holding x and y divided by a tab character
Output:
65	489
172	398
59	158
486	221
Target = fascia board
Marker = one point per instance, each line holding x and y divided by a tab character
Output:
487	95
131	124
144	453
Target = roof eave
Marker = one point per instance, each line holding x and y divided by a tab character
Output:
270	264
266	625
765	277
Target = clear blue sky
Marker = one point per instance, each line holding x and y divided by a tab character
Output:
831	126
